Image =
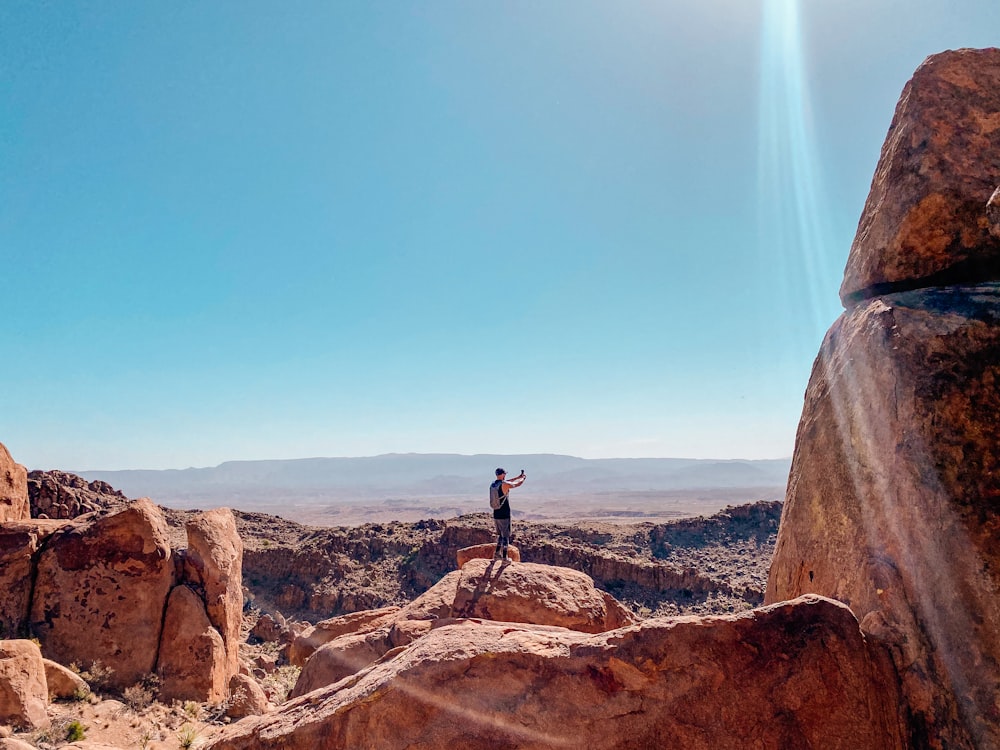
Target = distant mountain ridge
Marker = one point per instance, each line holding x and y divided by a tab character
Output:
436	475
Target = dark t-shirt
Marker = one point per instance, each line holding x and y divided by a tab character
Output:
504	510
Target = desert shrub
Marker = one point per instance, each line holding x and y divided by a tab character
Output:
192	709
75	731
280	682
97	675
186	735
82	694
137	697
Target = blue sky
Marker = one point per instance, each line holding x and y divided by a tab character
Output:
239	230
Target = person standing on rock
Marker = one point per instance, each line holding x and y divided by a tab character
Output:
501	511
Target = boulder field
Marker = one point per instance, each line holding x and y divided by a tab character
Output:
108	587
893	498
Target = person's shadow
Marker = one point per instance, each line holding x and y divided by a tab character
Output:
484	585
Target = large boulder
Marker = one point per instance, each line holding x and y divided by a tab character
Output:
484	552
19	543
925	222
542	594
246	698
24	694
214	561
192	661
893	497
798	675
101	589
13	489
310	639
63	682
340	658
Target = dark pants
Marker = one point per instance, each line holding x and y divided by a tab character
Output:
503	537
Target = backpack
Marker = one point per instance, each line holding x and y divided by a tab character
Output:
496	495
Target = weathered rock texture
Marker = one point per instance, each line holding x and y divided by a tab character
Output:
542	594
509	592
925	222
799	675
246	698
63	682
101	589
59	494
24	694
192	662
484	552
893	502
310	639
13	488
214	561
19	542
95	589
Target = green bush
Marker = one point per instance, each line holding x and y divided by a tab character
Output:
75	732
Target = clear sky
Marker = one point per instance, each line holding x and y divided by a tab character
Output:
239	230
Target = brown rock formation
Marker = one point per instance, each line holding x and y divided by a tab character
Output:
514	592
541	594
323	632
192	662
13	489
798	675
214	561
19	542
63	682
484	552
101	589
246	698
59	494
892	503
892	499
24	694
341	658
925	221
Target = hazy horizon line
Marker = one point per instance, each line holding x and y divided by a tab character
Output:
431	453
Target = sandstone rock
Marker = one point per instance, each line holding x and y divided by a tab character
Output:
925	221
798	675
323	632
12	743
269	629
893	495
24	694
13	489
484	552
214	560
59	494
19	542
101	589
63	682
522	592
341	658
246	698
434	603
192	664
542	594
